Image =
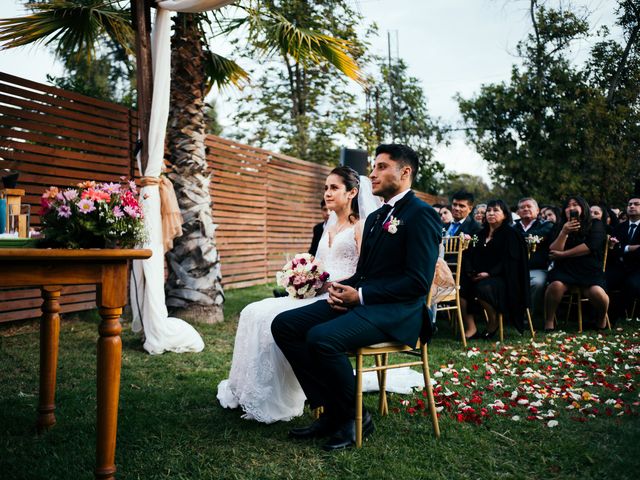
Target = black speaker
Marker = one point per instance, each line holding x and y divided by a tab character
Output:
356	159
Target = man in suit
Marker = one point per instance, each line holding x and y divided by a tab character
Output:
318	229
530	224
383	301
623	265
461	208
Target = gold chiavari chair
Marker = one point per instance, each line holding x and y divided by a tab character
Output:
454	247
381	353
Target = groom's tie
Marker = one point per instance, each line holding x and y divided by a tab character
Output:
381	216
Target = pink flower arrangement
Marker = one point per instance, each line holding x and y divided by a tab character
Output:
93	215
302	277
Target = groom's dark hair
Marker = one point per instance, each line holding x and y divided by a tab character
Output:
402	154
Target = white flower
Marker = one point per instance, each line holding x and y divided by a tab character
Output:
516	418
552	423
393	229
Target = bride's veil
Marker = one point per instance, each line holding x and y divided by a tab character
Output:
367	202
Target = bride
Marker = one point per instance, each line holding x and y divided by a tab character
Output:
261	380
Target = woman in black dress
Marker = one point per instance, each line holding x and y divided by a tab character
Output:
495	273
577	254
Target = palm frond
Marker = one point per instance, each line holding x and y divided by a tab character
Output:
223	72
70	26
302	44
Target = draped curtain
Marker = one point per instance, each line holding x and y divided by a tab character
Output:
162	333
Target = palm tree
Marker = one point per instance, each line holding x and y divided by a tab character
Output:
194	290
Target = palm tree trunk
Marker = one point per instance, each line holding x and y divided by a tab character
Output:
194	289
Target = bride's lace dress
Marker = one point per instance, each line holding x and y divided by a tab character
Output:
261	380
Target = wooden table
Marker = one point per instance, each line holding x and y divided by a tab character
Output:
50	269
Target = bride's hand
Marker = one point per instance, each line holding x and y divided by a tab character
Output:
324	288
342	297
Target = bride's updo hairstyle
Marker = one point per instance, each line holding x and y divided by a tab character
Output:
351	180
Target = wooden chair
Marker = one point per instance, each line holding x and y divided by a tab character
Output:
381	353
453	250
501	325
575	293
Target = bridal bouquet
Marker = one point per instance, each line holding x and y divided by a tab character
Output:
93	215
302	276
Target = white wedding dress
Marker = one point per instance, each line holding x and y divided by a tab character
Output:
261	380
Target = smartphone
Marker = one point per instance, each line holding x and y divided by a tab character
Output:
573	215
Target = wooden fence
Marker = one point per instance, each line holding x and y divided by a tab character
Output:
265	203
54	137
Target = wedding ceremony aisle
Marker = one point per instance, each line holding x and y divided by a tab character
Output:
563	406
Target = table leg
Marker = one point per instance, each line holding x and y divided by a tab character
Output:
109	362
49	336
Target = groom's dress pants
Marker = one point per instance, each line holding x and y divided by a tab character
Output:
315	339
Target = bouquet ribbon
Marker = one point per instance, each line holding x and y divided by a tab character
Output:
169	209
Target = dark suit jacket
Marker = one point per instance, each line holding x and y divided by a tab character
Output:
318	230
539	259
395	271
470	227
631	260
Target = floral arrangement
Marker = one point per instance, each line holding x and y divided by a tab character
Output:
391	225
302	277
93	215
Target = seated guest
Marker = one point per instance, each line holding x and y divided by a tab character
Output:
479	213
577	254
445	217
623	267
437	207
600	212
550	213
463	222
318	229
495	274
530	225
597	213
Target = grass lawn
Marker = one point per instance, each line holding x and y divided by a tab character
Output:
565	406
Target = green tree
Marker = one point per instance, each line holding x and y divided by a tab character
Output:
299	106
396	111
550	131
109	76
466	181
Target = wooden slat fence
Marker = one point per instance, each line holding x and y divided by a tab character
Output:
55	137
264	203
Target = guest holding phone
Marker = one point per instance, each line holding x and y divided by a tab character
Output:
577	254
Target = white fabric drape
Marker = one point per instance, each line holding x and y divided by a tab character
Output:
192	6
162	333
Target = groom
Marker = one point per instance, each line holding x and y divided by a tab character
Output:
383	301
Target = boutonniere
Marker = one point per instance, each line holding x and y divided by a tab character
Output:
391	225
532	242
466	238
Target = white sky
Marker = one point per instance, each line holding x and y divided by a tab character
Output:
452	46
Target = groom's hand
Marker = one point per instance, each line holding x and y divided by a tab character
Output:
343	297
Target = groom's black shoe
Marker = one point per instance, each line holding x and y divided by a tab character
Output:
346	435
322	427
